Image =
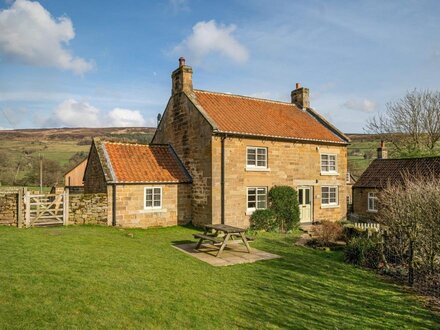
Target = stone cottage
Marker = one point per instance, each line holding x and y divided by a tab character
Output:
383	171
146	185
237	147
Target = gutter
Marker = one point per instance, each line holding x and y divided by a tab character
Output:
114	204
222	180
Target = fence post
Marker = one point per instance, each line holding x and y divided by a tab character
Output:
20	208
66	207
28	209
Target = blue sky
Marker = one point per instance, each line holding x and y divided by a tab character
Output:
94	63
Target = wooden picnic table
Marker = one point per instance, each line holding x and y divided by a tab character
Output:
213	237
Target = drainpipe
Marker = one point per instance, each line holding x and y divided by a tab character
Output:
222	179
114	205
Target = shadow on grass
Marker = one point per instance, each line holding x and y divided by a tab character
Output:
321	291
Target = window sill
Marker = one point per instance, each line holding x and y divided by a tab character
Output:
251	211
257	169
330	173
154	210
372	211
329	206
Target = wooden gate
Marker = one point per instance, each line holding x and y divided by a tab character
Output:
47	209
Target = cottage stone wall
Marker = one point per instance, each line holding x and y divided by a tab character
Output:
289	163
88	209
94	179
360	203
189	133
130	211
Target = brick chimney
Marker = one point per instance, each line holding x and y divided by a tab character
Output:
382	151
300	97
182	78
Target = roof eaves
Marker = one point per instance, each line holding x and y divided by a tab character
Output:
281	137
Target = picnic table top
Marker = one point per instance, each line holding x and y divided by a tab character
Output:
226	228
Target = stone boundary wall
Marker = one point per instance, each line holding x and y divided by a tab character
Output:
11	199
8	208
88	209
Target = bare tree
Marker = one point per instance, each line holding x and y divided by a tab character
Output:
411	212
411	124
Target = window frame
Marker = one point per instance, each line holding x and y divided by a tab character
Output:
250	210
374	198
329	203
256	166
152	207
328	171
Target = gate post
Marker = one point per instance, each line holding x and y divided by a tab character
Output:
27	201
20	208
66	207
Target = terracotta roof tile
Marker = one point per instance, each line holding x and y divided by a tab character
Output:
251	116
384	171
145	163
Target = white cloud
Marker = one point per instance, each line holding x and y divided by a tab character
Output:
126	118
30	35
72	113
210	38
363	105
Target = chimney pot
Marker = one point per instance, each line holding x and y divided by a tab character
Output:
298	85
181	78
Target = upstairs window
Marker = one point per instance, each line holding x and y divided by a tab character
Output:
329	164
256	198
329	196
256	157
372	202
153	198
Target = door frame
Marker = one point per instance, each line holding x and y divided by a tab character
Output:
311	202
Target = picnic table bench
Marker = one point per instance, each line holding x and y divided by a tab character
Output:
229	232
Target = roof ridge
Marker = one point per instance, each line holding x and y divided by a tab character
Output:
247	97
135	144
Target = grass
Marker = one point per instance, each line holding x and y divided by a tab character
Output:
99	277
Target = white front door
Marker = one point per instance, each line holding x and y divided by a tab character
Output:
305	204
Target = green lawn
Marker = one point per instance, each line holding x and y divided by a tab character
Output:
98	277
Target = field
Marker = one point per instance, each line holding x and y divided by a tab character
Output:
100	277
20	149
60	145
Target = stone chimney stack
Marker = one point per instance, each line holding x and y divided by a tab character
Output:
300	97
182	78
382	151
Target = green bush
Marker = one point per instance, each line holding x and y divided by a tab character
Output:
263	220
350	231
284	204
365	252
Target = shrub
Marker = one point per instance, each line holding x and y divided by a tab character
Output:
350	231
284	204
263	220
364	252
328	232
